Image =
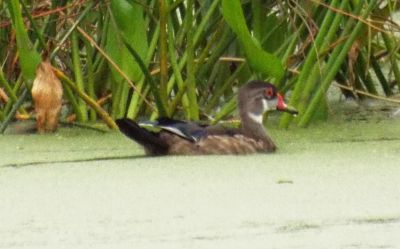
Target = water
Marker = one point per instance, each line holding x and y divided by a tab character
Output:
210	202
331	186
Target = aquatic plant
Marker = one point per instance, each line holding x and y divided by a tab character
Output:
186	57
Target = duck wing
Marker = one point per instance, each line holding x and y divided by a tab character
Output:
220	130
151	141
190	131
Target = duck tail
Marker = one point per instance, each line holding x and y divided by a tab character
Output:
149	140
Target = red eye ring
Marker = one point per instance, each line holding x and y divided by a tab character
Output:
269	92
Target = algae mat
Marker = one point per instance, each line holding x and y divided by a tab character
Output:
332	186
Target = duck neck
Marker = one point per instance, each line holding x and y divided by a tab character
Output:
252	126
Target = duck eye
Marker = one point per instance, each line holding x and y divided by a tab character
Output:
269	92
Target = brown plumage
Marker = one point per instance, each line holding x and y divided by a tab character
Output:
47	96
216	144
189	138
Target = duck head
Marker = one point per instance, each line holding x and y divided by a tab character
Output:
258	97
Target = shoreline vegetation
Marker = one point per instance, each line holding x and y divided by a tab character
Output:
185	59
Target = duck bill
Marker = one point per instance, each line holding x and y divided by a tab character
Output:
283	107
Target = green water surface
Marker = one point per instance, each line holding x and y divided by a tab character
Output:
375	137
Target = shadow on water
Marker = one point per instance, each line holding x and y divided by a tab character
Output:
18	165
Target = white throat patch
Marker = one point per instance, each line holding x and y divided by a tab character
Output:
265	105
258	118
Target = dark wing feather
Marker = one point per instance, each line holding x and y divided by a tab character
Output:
150	140
190	131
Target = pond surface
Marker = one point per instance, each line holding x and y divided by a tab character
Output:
331	186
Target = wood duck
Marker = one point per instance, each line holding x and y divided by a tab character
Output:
177	137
